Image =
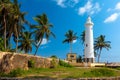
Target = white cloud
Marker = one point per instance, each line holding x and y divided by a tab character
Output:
74	41
117	7
89	8
61	3
112	18
66	3
44	41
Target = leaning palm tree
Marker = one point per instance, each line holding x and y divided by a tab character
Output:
101	43
42	30
25	42
70	37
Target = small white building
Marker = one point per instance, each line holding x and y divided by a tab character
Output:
89	46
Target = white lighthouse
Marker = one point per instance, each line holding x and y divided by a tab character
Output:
89	47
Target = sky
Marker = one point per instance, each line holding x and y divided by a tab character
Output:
71	15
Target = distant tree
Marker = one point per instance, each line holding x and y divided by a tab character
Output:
70	37
101	43
54	56
79	59
42	30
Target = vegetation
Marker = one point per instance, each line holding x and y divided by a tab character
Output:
79	59
31	64
64	64
54	63
42	30
12	23
101	43
70	37
82	37
64	72
54	56
25	42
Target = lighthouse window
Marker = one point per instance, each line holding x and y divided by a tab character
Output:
71	56
86	45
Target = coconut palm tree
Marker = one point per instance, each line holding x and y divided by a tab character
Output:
82	37
42	30
70	37
17	21
5	11
1	44
26	42
101	43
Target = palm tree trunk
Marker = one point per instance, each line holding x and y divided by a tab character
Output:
37	47
17	44
99	55
4	32
36	50
70	47
16	38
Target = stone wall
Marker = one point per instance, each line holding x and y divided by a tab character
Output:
10	61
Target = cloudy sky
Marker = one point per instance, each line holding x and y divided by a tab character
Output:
72	14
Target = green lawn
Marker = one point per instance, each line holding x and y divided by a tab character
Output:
65	72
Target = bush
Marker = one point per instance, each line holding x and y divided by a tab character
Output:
64	64
2	74
100	73
53	63
15	73
54	56
31	64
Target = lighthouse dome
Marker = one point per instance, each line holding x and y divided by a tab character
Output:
89	22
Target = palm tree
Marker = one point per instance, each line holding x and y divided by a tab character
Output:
70	37
1	44
82	37
42	30
5	10
25	42
101	43
17	20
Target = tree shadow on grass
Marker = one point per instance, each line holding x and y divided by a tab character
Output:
38	78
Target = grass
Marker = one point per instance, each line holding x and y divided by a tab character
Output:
63	72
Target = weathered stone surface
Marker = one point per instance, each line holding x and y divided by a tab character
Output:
10	61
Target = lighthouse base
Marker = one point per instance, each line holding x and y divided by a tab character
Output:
91	60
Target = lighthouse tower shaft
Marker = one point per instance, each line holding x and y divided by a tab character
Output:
89	47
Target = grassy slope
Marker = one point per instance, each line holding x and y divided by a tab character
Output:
63	72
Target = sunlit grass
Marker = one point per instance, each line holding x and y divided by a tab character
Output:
65	72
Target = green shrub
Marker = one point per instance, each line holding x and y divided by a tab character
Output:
53	63
99	73
54	56
2	74
15	73
62	63
31	64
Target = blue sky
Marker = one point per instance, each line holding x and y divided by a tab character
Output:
72	14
